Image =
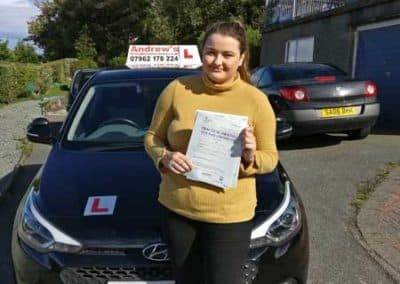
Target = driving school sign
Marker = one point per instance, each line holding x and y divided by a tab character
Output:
100	205
163	56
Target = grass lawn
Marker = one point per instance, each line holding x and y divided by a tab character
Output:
54	91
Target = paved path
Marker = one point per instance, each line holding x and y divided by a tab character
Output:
9	204
379	223
327	171
14	119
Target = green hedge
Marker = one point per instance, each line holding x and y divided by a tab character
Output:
81	64
8	83
61	69
20	80
44	79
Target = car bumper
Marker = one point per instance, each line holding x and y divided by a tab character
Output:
265	265
309	121
285	264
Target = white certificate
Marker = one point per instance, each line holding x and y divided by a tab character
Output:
215	148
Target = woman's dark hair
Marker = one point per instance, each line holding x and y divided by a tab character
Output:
235	30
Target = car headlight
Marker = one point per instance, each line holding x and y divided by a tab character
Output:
38	233
282	226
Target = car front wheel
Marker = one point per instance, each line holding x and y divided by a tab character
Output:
359	133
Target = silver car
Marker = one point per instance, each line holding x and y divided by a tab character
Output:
319	98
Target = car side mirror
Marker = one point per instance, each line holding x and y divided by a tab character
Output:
283	129
39	131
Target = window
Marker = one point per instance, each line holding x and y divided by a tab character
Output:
115	112
255	77
304	71
300	50
265	79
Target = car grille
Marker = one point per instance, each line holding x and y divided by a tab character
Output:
100	275
107	251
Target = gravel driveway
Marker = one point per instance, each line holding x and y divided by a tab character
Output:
13	121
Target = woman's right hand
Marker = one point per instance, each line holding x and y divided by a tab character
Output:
176	162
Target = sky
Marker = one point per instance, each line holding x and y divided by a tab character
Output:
14	15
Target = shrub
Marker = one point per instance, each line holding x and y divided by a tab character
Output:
117	61
61	69
81	64
26	78
23	80
18	80
254	39
44	79
59	73
8	83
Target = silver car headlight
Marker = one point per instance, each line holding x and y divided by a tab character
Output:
38	233
281	226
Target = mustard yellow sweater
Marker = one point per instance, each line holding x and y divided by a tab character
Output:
171	128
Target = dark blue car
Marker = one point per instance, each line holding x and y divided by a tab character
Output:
91	214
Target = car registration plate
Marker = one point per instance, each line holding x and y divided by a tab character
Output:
142	282
338	111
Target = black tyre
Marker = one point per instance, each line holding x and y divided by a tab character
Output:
359	133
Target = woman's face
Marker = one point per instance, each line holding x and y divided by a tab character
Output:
221	58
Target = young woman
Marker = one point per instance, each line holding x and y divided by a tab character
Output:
207	228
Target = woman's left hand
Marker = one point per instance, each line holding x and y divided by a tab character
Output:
248	144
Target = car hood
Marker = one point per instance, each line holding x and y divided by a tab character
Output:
70	179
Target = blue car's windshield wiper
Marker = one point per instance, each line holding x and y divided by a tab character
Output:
117	147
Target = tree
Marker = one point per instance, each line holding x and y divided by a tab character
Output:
254	39
5	53
170	21
174	22
177	22
85	47
45	31
24	52
109	24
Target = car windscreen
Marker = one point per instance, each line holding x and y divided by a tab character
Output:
299	72
114	114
